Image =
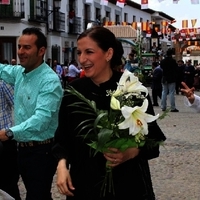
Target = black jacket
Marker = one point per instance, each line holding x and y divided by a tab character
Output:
170	69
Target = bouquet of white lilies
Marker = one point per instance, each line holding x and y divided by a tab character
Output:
125	125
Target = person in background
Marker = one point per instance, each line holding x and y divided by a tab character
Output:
170	68
9	165
65	72
48	62
5	62
13	62
37	97
58	69
189	74
71	20
98	53
156	83
73	71
180	76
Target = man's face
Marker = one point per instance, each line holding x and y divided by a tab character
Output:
29	55
13	62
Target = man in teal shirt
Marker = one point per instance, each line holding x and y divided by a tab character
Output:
37	97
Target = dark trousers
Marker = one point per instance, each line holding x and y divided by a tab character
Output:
9	169
37	168
156	92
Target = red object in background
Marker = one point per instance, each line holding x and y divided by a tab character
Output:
82	74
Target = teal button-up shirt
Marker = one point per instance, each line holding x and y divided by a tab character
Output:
37	98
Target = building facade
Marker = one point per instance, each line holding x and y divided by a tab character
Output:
63	20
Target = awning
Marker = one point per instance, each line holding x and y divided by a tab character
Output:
127	41
122	31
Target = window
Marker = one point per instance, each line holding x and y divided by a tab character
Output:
125	17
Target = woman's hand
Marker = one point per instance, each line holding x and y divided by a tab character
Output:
116	157
64	182
188	92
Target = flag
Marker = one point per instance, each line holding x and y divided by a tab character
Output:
104	2
184	23
134	25
120	3
5	2
191	31
144	4
175	1
88	1
187	37
183	32
148	34
164	23
180	38
194	1
173	39
193	22
194	37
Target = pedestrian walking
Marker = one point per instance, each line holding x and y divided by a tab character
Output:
169	67
156	83
37	97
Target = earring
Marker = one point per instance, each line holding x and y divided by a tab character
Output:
107	60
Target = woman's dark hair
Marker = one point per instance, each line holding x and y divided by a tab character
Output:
105	39
41	39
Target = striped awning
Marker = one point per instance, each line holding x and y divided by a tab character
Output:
121	31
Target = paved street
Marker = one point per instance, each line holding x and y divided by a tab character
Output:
176	173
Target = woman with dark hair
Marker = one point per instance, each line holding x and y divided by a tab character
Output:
80	174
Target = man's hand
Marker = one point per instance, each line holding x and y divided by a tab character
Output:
188	92
3	136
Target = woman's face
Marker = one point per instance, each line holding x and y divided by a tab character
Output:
93	60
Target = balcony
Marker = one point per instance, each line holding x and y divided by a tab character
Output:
59	20
75	28
12	11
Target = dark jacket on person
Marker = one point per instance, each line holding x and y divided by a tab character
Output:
157	78
170	68
131	179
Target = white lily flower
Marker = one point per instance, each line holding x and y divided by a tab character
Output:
136	119
114	104
129	83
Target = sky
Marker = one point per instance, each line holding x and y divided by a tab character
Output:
184	10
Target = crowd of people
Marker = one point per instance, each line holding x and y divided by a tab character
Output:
45	129
167	77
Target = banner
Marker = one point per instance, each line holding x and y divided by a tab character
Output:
104	2
193	22
175	1
194	1
120	3
144	4
5	2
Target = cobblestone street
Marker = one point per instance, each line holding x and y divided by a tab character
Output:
176	173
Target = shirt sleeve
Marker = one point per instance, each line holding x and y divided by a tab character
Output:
195	105
42	124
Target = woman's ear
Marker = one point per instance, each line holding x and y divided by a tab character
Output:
109	54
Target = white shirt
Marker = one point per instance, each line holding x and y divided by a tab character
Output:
73	71
195	105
